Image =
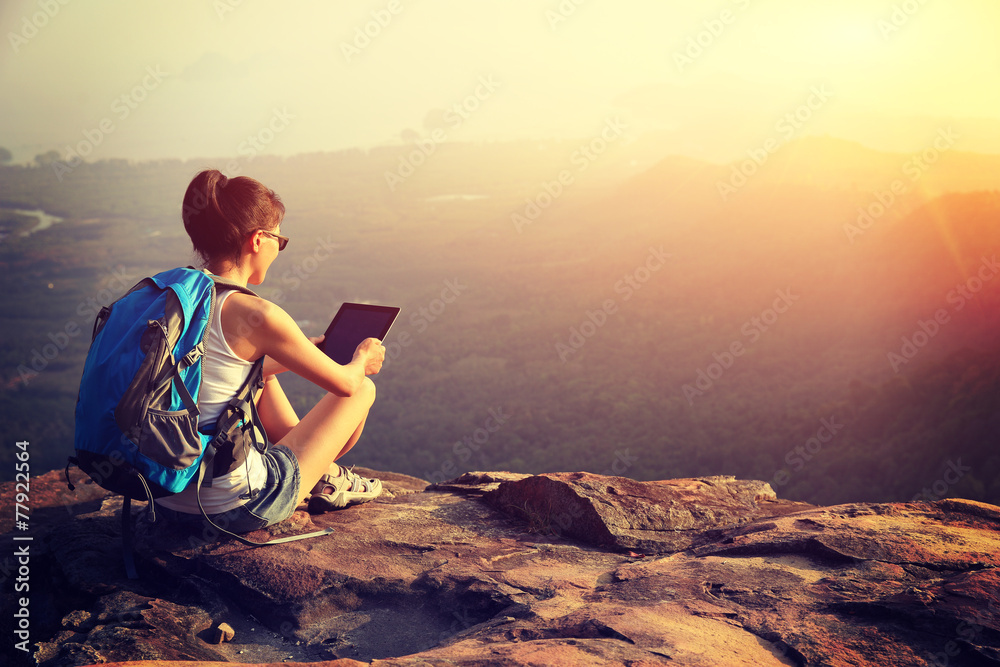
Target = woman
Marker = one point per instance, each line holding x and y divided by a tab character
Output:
235	225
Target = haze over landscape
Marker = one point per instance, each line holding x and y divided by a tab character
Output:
712	79
634	238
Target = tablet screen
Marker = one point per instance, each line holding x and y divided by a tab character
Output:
353	323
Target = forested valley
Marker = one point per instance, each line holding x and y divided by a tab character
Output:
620	316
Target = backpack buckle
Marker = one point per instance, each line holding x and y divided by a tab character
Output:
192	357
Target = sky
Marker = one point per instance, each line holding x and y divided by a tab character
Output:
219	78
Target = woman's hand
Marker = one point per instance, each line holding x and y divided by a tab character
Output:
372	354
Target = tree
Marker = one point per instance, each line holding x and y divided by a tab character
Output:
5	155
47	158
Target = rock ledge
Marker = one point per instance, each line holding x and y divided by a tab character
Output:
496	568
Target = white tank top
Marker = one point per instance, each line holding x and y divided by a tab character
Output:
222	372
222	375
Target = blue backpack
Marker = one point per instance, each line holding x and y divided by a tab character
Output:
138	432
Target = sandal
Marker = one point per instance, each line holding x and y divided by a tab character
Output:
347	488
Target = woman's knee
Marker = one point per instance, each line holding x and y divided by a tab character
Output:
367	391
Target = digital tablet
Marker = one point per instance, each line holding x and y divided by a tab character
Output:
353	323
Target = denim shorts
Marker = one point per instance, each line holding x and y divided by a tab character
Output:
275	501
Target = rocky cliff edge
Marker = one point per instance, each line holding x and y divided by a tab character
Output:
498	568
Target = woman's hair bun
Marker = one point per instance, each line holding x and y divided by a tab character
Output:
220	212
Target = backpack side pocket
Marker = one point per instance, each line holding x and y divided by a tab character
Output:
167	437
170	438
147	386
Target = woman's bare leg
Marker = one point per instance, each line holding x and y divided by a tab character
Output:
276	412
327	432
351	442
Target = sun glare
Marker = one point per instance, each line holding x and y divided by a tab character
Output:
855	37
821	41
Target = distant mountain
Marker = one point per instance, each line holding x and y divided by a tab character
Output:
941	261
827	163
927	433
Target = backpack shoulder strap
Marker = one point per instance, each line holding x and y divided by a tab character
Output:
237	426
225	283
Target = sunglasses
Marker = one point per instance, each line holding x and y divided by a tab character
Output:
282	240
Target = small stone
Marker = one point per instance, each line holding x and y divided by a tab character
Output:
223	632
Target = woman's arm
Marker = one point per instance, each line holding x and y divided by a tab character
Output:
272	367
255	327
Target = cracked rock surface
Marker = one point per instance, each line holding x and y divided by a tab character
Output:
554	569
